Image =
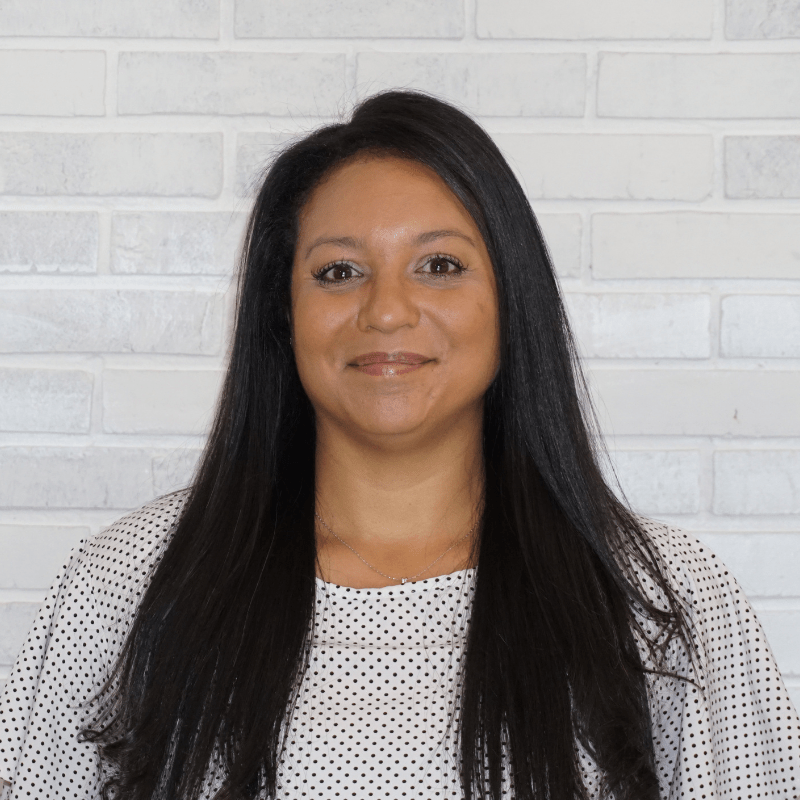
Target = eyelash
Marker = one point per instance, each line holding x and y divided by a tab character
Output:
460	268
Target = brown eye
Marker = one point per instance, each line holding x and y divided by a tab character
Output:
336	273
341	272
443	266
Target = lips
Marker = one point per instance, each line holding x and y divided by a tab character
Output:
389	358
389	364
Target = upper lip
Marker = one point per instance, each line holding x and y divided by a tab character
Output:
389	358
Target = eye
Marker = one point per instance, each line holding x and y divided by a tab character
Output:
442	266
340	272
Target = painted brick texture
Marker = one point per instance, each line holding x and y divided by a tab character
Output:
699	86
584	19
762	19
762	167
492	84
75	164
48	241
149	18
348	19
659	143
200	83
52	83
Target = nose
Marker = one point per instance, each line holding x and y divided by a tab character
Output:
388	304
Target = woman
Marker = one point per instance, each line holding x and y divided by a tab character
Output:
399	571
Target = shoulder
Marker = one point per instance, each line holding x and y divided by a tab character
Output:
127	549
694	571
721	619
113	567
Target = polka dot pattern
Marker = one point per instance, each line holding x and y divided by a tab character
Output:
377	715
377	705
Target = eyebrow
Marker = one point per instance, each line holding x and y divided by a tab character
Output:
358	244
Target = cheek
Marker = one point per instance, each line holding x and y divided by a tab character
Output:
317	334
312	323
487	344
474	330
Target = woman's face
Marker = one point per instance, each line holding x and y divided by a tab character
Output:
394	303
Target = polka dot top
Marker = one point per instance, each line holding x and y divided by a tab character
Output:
377	710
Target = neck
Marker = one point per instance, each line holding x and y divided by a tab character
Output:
400	507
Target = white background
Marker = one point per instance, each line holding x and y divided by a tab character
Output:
659	143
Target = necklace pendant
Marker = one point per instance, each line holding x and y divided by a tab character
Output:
403	580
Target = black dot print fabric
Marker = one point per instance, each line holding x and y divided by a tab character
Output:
376	715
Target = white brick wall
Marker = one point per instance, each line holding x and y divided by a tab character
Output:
48	241
202	83
762	167
175	243
588	19
604	166
76	164
704	86
762	19
492	84
660	145
685	244
52	83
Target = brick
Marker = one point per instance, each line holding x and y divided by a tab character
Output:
682	402
349	18
695	245
741	86
489	84
53	401
176	243
765	563
254	152
230	83
31	555
611	166
75	477
762	19
563	233
15	622
762	166
641	325
159	401
757	482
783	634
161	164
145	18
761	325
174	471
104	320
48	241
659	482
585	19
51	83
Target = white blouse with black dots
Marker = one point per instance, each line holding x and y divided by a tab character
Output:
374	717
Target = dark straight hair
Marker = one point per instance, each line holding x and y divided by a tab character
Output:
562	633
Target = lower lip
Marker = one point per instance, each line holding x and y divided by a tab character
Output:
389	369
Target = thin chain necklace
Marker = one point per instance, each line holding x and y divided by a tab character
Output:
401	580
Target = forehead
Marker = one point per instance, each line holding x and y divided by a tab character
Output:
371	191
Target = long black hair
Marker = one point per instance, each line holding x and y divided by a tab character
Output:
562	632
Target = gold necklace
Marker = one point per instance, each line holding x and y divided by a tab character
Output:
401	580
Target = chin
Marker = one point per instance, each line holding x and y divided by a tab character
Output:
393	427
405	427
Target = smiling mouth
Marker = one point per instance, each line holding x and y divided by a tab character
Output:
389	364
